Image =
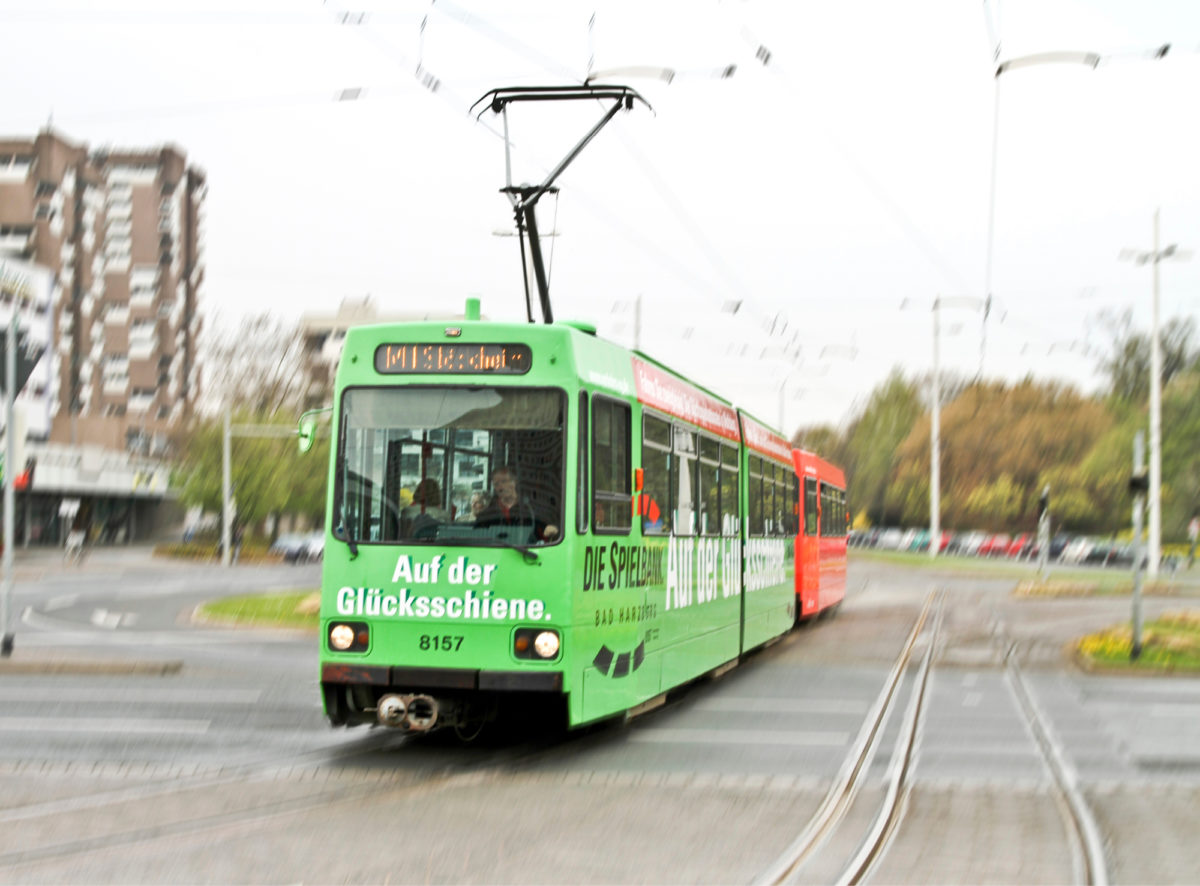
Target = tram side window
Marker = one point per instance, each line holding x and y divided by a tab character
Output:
793	503
683	481
581	482
729	490
810	506
828	511
656	476
610	465
755	492
780	525
710	486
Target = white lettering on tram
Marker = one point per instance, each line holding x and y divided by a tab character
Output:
475	603
765	562
470	605
699	570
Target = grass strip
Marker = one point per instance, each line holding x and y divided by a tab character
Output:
1169	643
287	609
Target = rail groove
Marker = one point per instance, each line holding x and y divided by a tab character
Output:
841	794
1087	844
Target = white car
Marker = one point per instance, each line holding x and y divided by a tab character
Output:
314	546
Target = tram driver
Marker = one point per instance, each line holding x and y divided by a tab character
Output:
509	508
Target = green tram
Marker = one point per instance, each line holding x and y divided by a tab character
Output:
528	513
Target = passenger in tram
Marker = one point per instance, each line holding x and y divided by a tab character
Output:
422	516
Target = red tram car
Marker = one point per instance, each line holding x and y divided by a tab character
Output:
821	542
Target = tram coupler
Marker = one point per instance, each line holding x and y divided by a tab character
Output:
411	713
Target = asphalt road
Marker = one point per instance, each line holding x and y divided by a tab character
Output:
137	746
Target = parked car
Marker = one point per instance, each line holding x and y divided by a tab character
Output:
889	539
1077	550
293	547
966	543
314	546
995	545
1022	545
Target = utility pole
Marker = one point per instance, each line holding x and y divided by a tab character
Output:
935	452
226	503
1153	257
1137	483
10	454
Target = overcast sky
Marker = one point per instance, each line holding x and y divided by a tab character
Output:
845	178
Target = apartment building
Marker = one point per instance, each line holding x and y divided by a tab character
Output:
323	335
121	234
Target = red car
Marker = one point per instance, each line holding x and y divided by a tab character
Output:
994	545
1022	545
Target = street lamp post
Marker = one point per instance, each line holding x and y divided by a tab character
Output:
1153	257
935	448
1089	59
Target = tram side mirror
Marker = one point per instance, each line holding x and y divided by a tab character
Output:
307	432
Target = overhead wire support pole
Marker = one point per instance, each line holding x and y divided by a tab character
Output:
525	198
935	451
1153	258
1088	59
10	448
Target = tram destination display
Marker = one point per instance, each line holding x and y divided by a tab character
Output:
453	358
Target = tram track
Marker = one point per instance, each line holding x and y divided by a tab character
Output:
841	795
815	842
1087	845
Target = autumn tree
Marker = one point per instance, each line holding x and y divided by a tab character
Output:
999	447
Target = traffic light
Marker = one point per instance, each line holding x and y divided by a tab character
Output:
1139	482
23	481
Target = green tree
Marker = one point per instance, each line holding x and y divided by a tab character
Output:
1180	454
871	443
268	474
1126	364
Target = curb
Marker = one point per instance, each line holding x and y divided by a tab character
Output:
99	667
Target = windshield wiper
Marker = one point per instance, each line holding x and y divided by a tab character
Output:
526	552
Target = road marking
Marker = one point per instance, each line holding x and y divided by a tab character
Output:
102	618
83	725
1175	709
783	705
972	699
183	696
64	601
59	632
787	737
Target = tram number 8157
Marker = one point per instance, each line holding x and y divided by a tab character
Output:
441	643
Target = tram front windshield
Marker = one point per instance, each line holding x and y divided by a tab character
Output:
450	466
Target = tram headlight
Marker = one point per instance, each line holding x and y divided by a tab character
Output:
538	644
341	637
545	644
349	636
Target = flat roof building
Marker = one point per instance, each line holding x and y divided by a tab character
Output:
119	232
